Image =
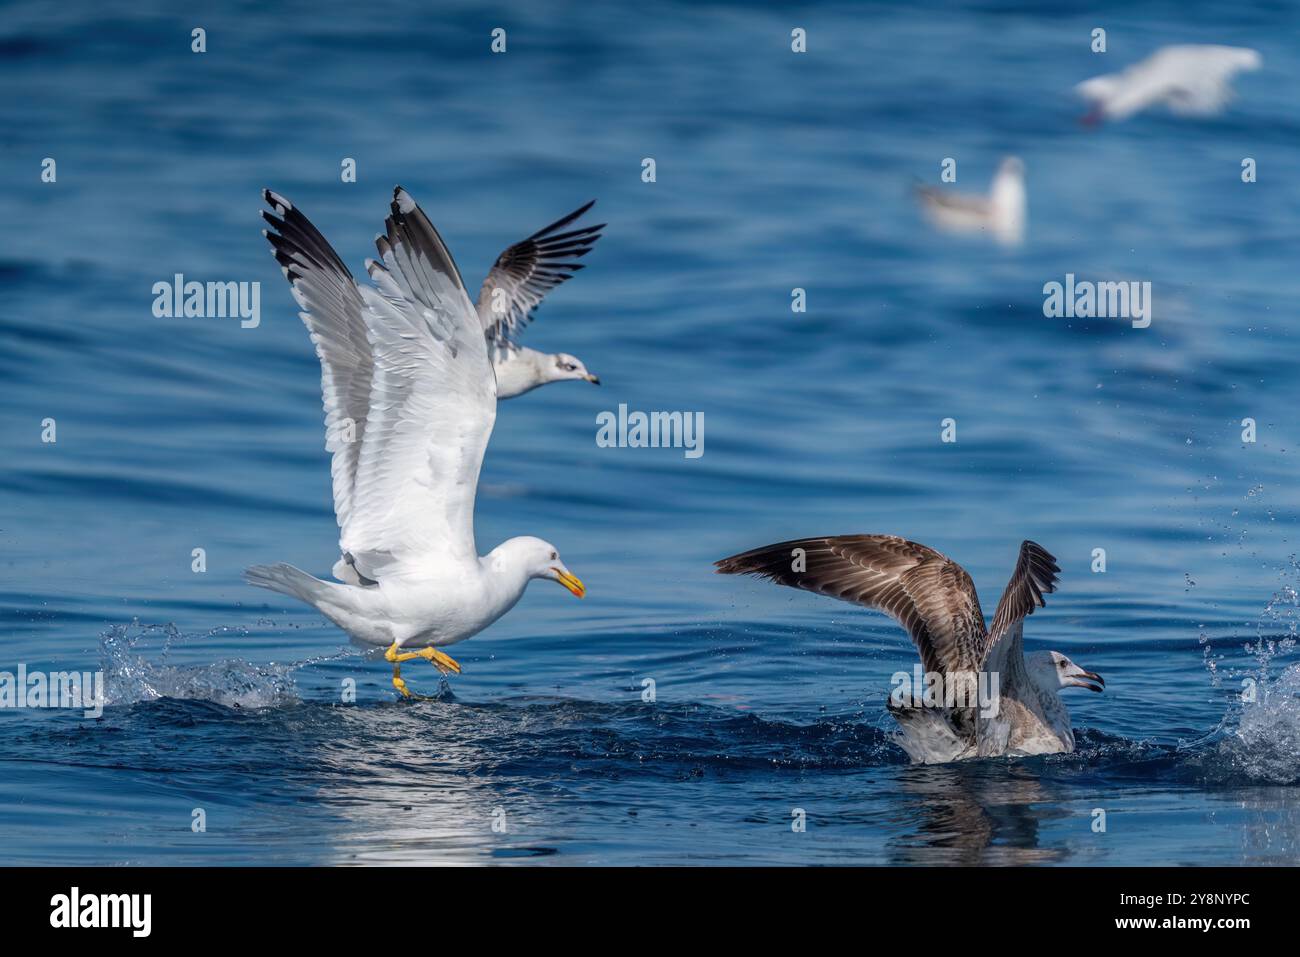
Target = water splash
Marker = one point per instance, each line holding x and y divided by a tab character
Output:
1259	737
132	676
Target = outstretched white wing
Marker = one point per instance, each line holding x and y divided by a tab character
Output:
431	408
332	311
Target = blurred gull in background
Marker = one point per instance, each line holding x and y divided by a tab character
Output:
1192	79
1000	214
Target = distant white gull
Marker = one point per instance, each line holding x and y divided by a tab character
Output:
999	215
410	400
934	599
1189	79
521	276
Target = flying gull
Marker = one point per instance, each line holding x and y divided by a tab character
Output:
520	277
934	599
1190	79
410	399
1000	214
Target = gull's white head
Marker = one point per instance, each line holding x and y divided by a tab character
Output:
538	559
1052	670
1008	201
563	366
1012	166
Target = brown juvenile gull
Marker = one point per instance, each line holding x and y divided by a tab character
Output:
934	599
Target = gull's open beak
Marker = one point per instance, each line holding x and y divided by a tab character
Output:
593	379
571	582
1092	676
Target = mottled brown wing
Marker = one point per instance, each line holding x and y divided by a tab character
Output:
1035	574
927	593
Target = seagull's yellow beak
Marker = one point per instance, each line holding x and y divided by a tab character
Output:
593	379
570	581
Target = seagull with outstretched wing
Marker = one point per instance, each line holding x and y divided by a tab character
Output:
410	400
934	599
1192	79
521	276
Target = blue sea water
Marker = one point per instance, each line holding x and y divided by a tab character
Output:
774	171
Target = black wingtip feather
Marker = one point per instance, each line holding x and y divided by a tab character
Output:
562	222
1042	566
272	198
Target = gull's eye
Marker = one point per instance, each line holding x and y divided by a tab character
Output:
555	556
1062	664
567	366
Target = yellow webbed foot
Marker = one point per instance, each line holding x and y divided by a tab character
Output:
445	663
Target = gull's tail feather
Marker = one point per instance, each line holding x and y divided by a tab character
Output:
933	735
287	580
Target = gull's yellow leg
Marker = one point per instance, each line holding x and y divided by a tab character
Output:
396	658
398	683
444	663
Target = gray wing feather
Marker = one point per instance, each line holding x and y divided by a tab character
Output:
528	270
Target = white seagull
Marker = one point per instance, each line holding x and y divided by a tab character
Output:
410	399
1190	79
520	277
934	599
1000	214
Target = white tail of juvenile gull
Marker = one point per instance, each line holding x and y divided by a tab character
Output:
934	599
